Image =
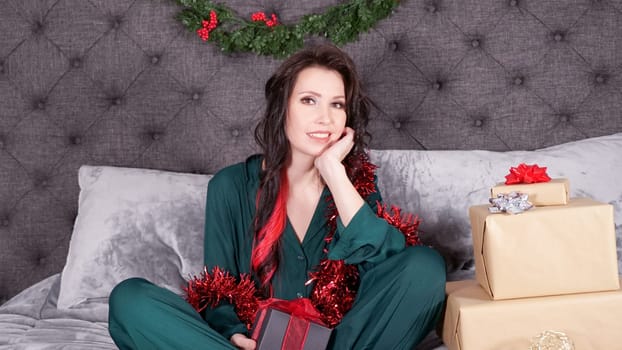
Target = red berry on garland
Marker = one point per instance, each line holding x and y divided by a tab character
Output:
213	20
208	26
258	17
203	33
261	17
272	22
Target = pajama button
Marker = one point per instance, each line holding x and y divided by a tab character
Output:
299	295
300	257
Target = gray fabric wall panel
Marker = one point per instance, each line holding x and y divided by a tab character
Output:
123	83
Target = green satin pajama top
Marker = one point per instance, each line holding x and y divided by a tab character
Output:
229	214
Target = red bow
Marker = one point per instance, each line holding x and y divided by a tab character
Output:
301	312
300	307
526	174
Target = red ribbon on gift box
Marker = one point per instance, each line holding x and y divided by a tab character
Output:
526	174
302	312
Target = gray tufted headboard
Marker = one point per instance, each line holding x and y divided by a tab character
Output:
121	82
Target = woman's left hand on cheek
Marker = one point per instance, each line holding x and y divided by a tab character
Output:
336	152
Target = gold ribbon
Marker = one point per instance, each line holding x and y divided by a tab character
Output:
551	340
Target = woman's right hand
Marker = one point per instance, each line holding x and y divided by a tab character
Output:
243	342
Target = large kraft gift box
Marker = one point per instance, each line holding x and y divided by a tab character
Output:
474	322
545	250
554	192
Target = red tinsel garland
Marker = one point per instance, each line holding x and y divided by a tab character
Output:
408	224
336	282
211	289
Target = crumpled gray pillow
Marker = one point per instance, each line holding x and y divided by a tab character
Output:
133	223
440	186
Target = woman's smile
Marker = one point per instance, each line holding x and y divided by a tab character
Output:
320	135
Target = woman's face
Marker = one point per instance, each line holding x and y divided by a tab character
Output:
316	113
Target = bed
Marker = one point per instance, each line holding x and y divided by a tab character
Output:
113	118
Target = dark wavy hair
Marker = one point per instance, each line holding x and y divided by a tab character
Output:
271	137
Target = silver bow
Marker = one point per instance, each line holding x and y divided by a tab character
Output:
513	203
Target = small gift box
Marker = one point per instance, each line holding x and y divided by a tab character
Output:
589	321
545	250
554	192
535	182
289	325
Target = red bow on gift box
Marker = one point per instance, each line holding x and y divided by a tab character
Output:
526	174
301	314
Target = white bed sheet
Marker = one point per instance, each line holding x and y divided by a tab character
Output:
31	321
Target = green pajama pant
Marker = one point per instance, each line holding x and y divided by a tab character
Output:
399	301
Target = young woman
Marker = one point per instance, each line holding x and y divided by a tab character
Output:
269	217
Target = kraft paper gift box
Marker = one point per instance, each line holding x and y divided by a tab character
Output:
275	329
554	192
545	250
474	322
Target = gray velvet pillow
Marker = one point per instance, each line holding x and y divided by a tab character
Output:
441	185
133	223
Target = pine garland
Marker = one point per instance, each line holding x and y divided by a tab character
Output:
264	35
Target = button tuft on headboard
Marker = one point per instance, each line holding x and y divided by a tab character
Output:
518	80
37	27
478	123
76	62
115	22
39	103
564	118
475	43
43	183
75	140
600	78
397	124
156	135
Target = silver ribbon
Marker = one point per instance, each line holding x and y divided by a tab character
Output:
513	203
